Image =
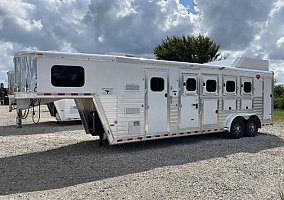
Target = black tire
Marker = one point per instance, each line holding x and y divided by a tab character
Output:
251	127
237	129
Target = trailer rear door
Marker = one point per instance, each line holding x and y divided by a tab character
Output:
267	96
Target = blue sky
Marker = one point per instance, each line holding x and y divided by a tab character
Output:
189	4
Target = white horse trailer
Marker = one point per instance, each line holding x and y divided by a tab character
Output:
125	99
62	110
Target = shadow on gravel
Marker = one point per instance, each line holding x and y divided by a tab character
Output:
86	162
41	128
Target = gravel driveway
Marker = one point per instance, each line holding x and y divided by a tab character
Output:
59	161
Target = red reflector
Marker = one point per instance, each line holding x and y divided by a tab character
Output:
181	133
87	94
173	134
130	139
47	94
119	140
157	136
139	138
149	136
61	94
166	134
74	94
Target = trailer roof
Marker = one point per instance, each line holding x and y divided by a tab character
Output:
242	63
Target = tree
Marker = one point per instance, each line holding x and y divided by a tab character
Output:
279	96
200	49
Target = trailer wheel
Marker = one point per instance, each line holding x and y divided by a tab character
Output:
251	127
237	129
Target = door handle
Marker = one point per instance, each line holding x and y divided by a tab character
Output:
166	95
196	105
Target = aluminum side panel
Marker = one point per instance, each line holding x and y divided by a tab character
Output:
109	103
130	116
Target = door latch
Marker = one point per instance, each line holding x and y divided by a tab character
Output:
196	105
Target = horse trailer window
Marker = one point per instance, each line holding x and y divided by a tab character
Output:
67	76
211	85
230	86
190	84
247	87
157	84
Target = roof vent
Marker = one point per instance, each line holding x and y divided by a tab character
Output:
251	63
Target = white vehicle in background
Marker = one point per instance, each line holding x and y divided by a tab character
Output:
126	99
62	110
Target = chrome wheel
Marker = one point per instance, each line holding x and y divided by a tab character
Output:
237	129
251	127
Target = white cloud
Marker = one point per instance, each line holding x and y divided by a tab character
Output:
280	42
271	38
15	8
242	27
233	24
133	26
92	26
6	63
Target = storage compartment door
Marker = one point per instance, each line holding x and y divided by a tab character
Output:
210	111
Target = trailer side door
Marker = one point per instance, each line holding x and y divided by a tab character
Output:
210	100
189	111
157	101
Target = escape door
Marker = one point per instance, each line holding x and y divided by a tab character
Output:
189	112
157	101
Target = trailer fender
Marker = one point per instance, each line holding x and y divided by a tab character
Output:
228	121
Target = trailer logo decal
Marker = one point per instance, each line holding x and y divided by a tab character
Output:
107	90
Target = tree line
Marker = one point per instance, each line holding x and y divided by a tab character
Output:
278	96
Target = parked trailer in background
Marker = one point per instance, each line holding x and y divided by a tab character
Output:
62	110
11	84
125	99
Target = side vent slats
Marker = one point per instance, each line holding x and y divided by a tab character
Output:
132	110
132	87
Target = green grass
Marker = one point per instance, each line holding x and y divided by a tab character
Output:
279	115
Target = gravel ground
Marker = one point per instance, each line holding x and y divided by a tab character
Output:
59	161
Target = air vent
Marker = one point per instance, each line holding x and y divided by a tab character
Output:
132	111
132	87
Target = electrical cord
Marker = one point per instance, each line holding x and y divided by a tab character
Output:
33	106
26	113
